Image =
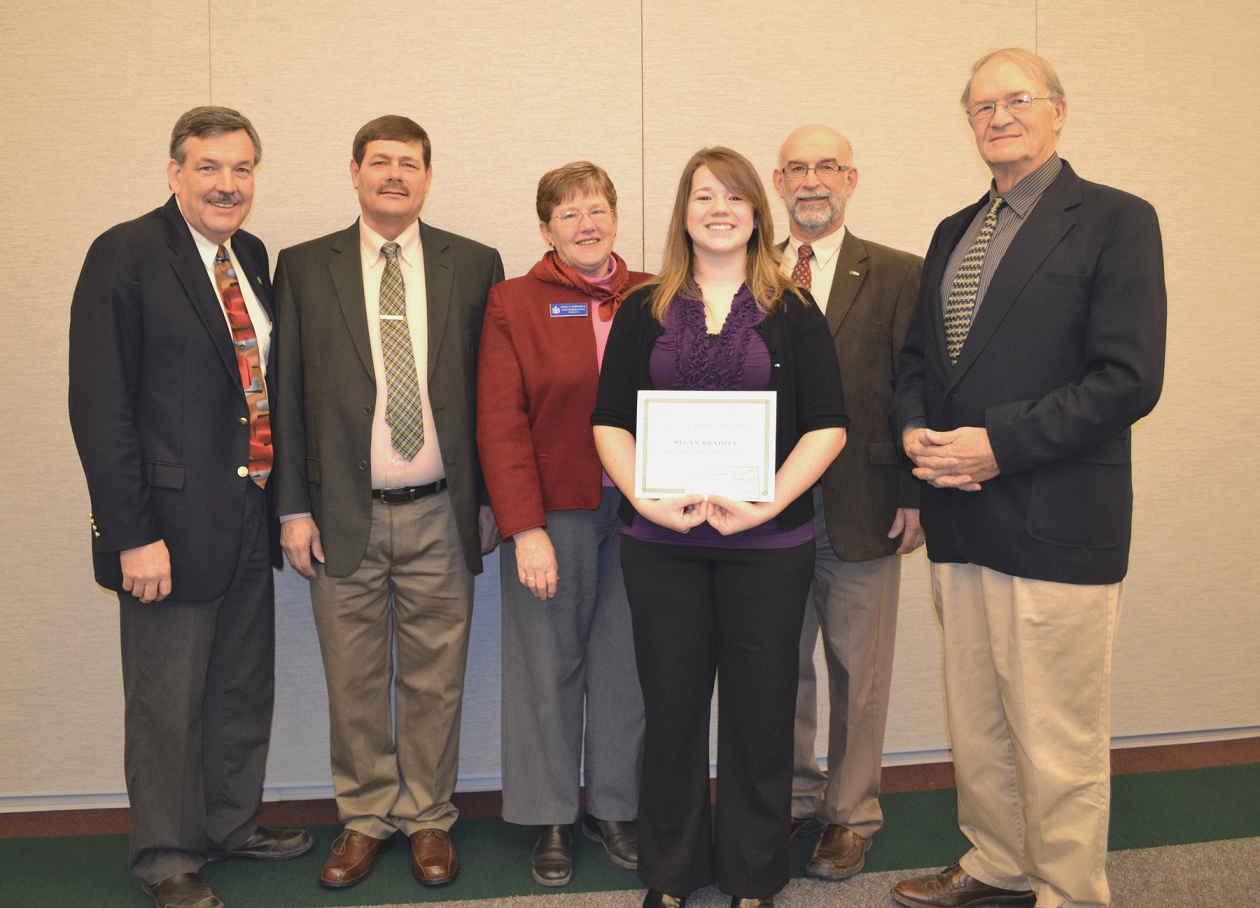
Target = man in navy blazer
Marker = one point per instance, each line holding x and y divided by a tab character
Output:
1037	342
161	394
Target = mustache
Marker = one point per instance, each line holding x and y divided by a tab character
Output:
218	197
803	196
393	186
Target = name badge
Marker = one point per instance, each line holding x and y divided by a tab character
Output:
569	310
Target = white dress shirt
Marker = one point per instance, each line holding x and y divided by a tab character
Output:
390	470
208	249
822	264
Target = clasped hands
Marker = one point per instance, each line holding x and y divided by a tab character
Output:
726	515
958	459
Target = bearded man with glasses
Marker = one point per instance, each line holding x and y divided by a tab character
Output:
1037	342
866	509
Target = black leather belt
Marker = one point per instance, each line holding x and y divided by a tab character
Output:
410	493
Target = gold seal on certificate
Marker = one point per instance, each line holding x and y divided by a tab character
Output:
706	442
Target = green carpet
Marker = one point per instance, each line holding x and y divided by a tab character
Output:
1148	810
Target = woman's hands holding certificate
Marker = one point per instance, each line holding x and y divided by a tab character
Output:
677	514
729	516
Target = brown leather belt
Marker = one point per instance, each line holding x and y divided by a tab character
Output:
410	493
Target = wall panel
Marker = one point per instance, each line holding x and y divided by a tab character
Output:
1158	105
90	93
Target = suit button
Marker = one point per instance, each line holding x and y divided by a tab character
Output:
363	464
242	472
244	420
367	411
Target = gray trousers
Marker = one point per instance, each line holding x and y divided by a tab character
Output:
198	683
394	639
855	604
571	699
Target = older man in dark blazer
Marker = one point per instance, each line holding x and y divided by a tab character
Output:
1037	342
381	496
169	341
865	507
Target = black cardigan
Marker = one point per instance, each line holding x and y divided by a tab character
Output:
803	372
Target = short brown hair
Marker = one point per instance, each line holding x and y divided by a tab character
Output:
1032	64
391	128
206	123
563	183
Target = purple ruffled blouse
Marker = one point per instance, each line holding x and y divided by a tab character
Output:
687	358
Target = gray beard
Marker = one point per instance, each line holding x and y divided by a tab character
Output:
819	219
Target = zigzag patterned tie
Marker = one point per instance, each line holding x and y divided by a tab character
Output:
403	411
801	275
248	361
962	294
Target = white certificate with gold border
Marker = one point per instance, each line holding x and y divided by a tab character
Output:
706	442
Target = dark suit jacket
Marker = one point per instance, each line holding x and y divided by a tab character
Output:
1066	352
872	299
327	388
156	404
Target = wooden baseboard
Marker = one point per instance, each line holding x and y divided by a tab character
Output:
922	777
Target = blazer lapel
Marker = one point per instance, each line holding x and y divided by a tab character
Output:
1046	226
346	268
439	279
191	271
846	280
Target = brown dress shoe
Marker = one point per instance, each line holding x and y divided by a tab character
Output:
188	890
953	887
804	826
268	845
353	854
839	854
433	858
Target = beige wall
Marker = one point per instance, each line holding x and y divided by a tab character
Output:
1159	105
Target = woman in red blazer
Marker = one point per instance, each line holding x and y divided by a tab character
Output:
570	689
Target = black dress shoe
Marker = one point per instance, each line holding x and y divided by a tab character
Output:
552	858
655	899
620	839
188	890
268	845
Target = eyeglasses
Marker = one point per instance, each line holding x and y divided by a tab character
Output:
573	217
1015	104
825	170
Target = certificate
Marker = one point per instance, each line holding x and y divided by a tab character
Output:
707	442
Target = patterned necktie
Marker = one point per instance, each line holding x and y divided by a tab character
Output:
403	412
962	294
801	275
250	364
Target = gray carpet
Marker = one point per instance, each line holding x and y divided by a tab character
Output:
1203	875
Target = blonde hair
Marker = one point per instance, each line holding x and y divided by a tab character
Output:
762	271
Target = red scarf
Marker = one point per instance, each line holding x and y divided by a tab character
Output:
553	270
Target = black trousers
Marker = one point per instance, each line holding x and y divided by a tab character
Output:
198	682
698	611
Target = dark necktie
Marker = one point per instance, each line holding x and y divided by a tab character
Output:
801	275
961	303
250	364
404	413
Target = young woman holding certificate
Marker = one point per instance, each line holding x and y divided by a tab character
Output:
717	585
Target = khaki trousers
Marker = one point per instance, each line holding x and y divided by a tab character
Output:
399	621
1028	697
856	606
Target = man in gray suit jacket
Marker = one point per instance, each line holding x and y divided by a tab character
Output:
865	509
380	493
